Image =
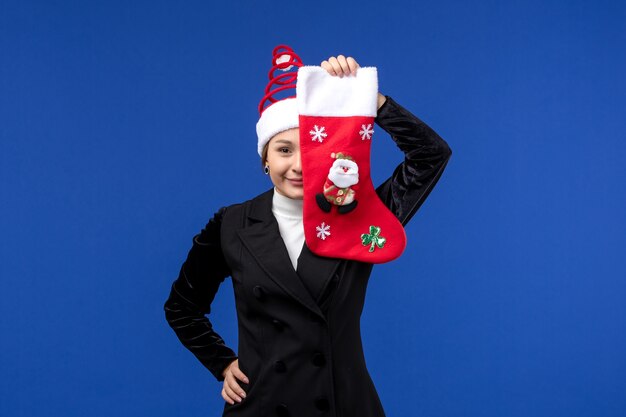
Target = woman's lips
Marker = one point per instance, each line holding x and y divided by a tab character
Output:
295	181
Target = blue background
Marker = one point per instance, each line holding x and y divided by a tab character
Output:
125	125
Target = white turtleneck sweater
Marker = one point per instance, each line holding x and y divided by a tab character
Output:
288	213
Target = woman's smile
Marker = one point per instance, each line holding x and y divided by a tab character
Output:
295	181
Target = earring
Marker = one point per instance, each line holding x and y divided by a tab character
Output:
267	169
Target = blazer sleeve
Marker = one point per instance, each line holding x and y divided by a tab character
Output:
191	296
425	157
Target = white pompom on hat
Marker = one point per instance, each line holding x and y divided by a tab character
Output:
280	114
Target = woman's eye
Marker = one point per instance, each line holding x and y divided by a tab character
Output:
284	149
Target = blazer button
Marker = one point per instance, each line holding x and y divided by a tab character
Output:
259	292
278	324
279	366
318	359
322	403
282	411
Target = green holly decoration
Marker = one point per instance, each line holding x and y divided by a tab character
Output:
373	238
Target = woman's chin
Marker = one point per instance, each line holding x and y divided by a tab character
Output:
293	192
296	195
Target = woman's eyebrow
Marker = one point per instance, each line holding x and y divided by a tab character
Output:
283	141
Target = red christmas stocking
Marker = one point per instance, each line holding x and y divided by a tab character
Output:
342	214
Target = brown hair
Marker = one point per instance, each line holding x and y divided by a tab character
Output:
264	155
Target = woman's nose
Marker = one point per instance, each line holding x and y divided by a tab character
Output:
297	166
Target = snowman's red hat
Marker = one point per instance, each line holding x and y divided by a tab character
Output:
280	114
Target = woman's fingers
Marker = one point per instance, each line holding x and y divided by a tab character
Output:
240	375
344	64
352	64
232	388
339	69
234	385
336	67
340	65
231	391
226	397
326	65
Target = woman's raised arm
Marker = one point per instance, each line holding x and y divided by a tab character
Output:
425	157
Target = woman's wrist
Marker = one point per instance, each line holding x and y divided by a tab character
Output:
381	100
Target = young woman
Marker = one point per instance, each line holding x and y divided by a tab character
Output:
300	351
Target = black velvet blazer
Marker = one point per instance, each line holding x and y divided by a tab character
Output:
299	330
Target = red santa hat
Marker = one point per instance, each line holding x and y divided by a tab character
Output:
280	114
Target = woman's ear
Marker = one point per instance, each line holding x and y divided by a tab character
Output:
264	155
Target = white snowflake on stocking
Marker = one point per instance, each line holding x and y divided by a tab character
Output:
318	133
323	230
366	132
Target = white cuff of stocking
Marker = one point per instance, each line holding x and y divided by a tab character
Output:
321	94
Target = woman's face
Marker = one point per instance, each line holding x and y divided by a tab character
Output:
283	158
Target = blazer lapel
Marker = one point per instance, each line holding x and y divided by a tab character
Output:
317	270
262	238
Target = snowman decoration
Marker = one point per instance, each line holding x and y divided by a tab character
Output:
340	186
